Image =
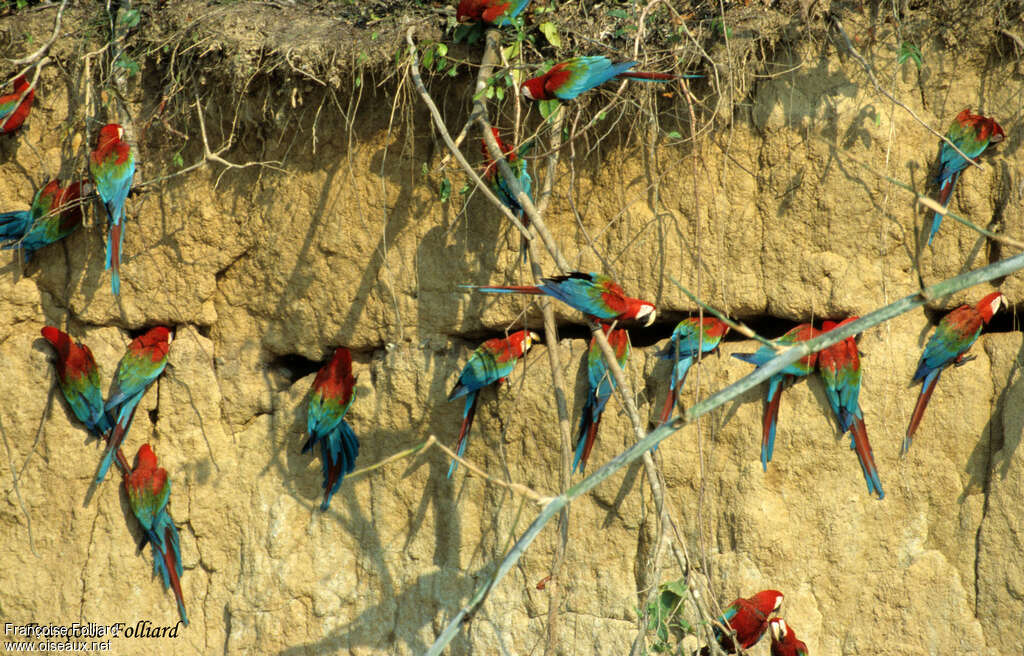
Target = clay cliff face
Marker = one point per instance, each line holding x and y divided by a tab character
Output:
779	217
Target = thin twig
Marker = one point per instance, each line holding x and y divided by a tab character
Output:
43	49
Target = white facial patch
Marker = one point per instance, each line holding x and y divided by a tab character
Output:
997	302
778	604
526	92
647	311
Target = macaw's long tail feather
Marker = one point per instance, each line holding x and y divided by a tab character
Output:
945	193
526	289
172	567
467	422
338	451
648	77
771	416
114	256
927	387
14	225
584	446
583	436
679	371
867	459
114	439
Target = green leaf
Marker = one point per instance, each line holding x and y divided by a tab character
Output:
177	160
127	64
674	135
550	31
499	92
442	49
128	19
618	13
424	169
547	107
909	51
465	189
446	190
452	72
512	51
428	57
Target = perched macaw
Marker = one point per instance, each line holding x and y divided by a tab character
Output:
79	380
601	387
948	345
972	133
113	166
13	113
491	362
691	337
329	399
748	618
802	367
839	366
493	12
140	366
56	212
568	79
784	641
500	187
148	491
593	294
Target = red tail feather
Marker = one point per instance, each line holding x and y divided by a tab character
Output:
172	571
670	404
922	403
648	76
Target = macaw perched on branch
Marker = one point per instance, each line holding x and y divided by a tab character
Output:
690	338
600	389
112	165
784	641
56	212
492	362
79	380
748	618
492	176
138	369
839	366
492	12
972	133
330	398
12	112
148	491
948	345
568	79
802	367
594	294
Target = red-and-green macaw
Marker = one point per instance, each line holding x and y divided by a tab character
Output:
691	337
138	369
972	133
784	641
112	165
148	490
56	212
492	362
593	294
948	345
330	398
79	380
568	79
14	107
492	176
802	367
839	366
492	12
600	389
748	618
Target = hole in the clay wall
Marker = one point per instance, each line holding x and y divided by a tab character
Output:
294	366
